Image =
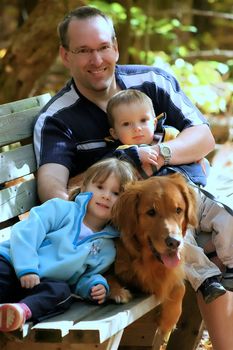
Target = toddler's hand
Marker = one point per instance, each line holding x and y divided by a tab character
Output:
98	293
148	157
29	281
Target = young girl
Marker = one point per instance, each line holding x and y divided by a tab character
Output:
62	248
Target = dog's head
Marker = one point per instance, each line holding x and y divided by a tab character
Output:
155	213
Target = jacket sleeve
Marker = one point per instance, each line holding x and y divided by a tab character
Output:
28	235
95	268
128	153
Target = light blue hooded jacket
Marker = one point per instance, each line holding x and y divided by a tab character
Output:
47	244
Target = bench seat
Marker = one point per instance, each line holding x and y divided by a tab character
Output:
84	325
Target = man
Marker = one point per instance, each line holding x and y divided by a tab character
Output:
69	134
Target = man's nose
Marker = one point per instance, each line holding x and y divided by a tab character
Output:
96	57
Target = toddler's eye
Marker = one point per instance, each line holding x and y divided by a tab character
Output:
126	124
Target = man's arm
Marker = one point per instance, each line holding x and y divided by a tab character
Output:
189	146
52	181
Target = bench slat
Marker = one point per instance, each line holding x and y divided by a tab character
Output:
26	103
88	323
17	199
5	234
107	324
17	126
17	118
16	163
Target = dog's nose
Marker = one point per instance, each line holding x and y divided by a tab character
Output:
172	242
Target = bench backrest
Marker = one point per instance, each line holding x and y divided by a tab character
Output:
17	160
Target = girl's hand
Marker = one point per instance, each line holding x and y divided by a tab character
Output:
29	281
98	293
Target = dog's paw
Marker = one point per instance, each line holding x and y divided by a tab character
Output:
122	296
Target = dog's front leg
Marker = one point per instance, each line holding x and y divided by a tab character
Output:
171	311
118	292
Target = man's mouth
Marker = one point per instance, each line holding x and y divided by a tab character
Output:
97	71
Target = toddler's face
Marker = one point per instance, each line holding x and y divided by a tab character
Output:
134	123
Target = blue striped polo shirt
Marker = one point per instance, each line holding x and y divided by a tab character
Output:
71	130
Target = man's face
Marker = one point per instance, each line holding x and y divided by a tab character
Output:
92	54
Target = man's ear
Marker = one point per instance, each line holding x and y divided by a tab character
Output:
115	46
64	56
155	123
113	133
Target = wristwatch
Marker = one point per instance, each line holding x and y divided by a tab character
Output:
165	152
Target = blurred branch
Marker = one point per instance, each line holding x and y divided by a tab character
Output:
215	54
180	12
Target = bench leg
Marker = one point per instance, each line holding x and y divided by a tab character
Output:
189	329
114	341
140	334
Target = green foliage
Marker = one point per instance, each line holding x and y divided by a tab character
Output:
207	83
204	83
115	10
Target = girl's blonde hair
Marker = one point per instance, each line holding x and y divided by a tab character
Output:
101	170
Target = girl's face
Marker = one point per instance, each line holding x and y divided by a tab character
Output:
99	207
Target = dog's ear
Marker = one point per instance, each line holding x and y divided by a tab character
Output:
190	198
125	219
191	205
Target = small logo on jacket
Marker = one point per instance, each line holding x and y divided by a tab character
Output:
95	249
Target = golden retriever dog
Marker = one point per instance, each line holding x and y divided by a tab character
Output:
152	216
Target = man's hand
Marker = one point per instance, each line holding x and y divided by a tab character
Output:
98	293
29	281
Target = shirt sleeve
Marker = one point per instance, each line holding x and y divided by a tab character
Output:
168	97
53	142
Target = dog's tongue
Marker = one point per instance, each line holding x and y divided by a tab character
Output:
170	260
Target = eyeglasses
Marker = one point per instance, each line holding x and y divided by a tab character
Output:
87	52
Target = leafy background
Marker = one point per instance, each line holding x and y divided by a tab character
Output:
190	38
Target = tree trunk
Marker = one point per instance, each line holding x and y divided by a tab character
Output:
33	49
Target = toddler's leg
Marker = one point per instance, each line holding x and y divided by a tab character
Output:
201	272
197	266
219	222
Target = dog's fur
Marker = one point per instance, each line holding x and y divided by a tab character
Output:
152	216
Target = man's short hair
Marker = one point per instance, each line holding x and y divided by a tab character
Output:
81	13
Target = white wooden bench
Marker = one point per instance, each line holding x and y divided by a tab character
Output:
84	326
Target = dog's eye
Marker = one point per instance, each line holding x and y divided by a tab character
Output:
178	210
151	212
